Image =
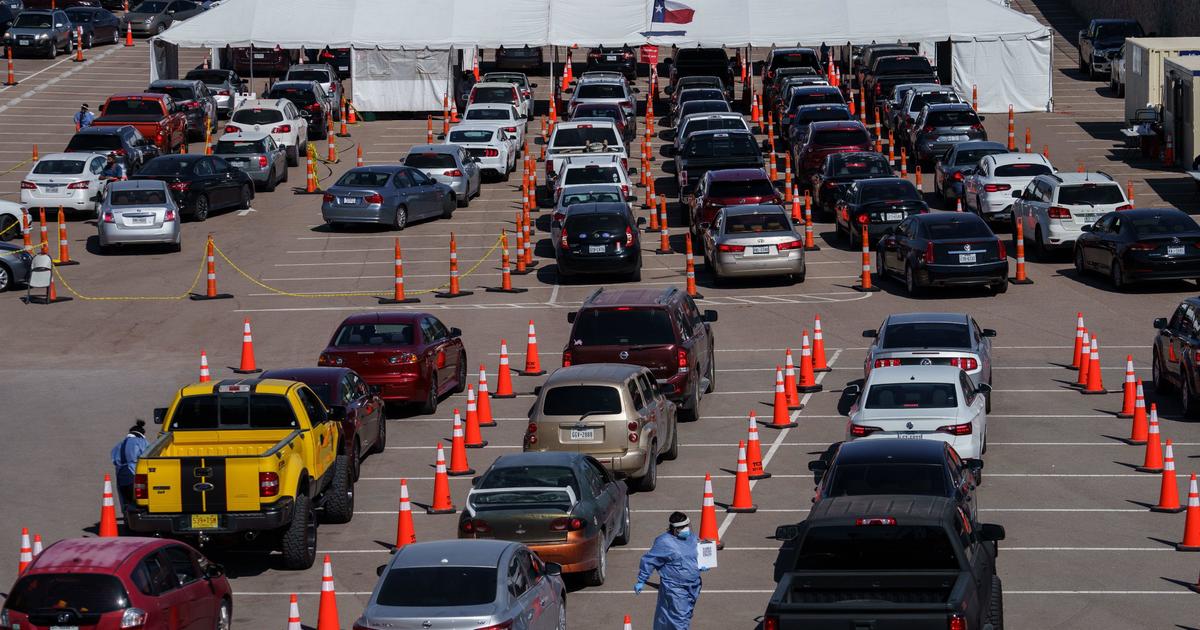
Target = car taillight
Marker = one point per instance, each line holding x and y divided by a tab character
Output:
178	186
879	363
475	526
859	430
1057	212
268	484
1124	207
28	185
628	236
282	129
878	89
452	173
262	161
327	198
169	216
491	153
966	363
1143	247
330	359
995	187
159	137
873	522
134	618
788	245
563	524
313	107
193	105
562	239
956	429
109	218
119	152
402	358
223	93
373	198
928	253
957	622
736	249
977	127
511	129
681	357
566	358
141	487
770	622
332	87
78	186
958	176
927	129
633	437
231	129
1001	250
864	218
627	54
625	191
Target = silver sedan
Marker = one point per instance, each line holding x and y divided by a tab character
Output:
256	154
451	165
932	339
464	585
753	241
138	211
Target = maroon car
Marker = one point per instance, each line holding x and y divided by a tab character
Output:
407	357
113	583
352	401
826	137
263	61
729	187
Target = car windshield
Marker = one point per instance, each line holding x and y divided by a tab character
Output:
911	395
931	98
177	92
80	17
257	116
611	113
875	478
207	412
487	113
582	136
703	107
235	147
133	107
897	190
956	118
32	20
958	229
438	587
534	476
431	160
300	96
373	334
623	327
927	335
137	197
721	144
903	65
176	166
592	174
815	97
600	90
472	135
1022	169
1159	225
840	137
755	223
83	142
1118	30
605	196
823	113
576	400
873	165
742	188
150	7
59	167
493	95
972	156
320	76
904	548
1090	194
87	593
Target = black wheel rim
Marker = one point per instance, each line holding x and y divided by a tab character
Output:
202	207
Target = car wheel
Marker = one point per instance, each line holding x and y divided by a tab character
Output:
339	497
562	612
879	267
1187	397
672	452
224	617
626	526
910	281
1079	267
381	439
649	481
430	405
596	576
448	209
460	379
293	156
401	219
635	275
9	227
53	52
200	211
89	40
247	195
1000	287
995	614
465	200
272	182
1116	276
356	461
299	541
176	247
1040	250
691	412
6	278
1158	376
284	177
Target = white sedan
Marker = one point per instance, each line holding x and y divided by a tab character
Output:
500	115
921	402
71	181
988	188
496	148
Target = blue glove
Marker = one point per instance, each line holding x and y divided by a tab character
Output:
703	569
637	588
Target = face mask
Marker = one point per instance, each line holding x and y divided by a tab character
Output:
683	533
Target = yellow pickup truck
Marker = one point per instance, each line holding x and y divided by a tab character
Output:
244	460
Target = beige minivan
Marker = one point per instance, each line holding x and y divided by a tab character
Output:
614	412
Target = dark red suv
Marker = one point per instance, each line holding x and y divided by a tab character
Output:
729	187
660	329
826	137
409	357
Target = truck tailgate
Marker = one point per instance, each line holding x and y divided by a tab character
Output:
840	600
187	475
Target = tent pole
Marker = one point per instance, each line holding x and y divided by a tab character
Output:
1050	77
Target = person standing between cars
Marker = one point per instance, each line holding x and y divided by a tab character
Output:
83	117
673	555
113	169
125	457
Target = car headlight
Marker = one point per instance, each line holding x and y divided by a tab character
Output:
149	20
43	36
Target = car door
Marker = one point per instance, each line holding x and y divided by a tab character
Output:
1106	247
656	413
324	432
171	603
370	409
205	181
198	604
227	180
432	195
409	195
694	321
984	346
522	596
475	175
973	402
1176	333
889	246
435	350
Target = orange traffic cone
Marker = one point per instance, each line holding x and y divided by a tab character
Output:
108	512
754	450
441	487
628	625
485	400
358	158
406	534
294	615
864	283
1191	527
819	362
1095	381
1077	353
708	515
37	545
789	381
26	551
64	248
454	291
1129	403
504	387
327	612
742	501
458	450
1141	426
1168	494
398	295
474	438
1153	462
690	268
247	365
128	35
780	418
204	375
808	381
533	363
1085	359
12	77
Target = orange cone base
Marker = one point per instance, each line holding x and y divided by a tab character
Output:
524	373
763	475
57	263
449	510
1025	281
447	294
1093	393
512	395
406	300
241	371
1133	442
1155	508
860	288
42	299
810	389
503	290
664	252
1124	416
204	296
814	248
528	269
480	444
1183	547
742	510
301	190
1144	469
462	473
772	425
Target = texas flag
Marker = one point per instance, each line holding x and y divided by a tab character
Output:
672	12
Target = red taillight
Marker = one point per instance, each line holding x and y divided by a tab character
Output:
507	625
770	622
109	218
957	622
870	522
1057	212
282	129
119	152
927	129
928	253
880	363
327	198
864	218
859	430
558	217
956	429
627	54
1143	247
452	173
475	526
28	185
878	89
231	129
511	129
564	524
977	127
628	237
141	487
562	239
625	191
178	186
788	245
531	428
632	425
491	153
223	93
681	357
736	249
78	186
1124	207
332	87
633	437
566	358
169	216
262	161
313	107
193	105
1002	251
268	484
373	198
159	138
966	363
995	187
958	176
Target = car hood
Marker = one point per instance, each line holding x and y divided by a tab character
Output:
14	31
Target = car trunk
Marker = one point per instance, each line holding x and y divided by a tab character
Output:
1176	247
759	245
965	252
344	197
370	359
214	471
525	524
145	218
597	235
892	211
907	424
50	186
954	133
926	357
430	618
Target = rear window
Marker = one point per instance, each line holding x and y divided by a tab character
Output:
373	334
701	55
592	174
1163	224
600	90
972	156
927	335
861	479
80	17
168	166
582	136
897	190
958	229
795	59
903	65
605	225
210	77
487	114
745	188
438	587
703	107
616	327
600	111
308	75
531	476
704	94
814	98
1022	169
137	198
494	95
721	144
840	137
932	98
94	142
952	119
864	166
755	223
1090	194
299	96
257	116
877	548
824	113
59	167
133	107
241	147
472	135
715	124
911	395
430	160
604	196
252	411
88	593
179	93
576	400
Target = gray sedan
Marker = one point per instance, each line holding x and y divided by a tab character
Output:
932	339
754	241
256	154
450	164
467	584
138	211
391	195
152	17
14	265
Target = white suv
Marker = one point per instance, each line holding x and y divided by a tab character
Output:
278	117
988	188
1052	209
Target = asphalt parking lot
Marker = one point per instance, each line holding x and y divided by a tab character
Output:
1083	550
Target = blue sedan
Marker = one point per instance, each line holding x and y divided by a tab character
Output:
390	195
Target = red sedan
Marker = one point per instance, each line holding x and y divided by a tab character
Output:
408	357
112	583
826	137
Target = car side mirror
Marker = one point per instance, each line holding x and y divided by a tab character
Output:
710	315
787	532
475	481
1160	323
213	571
553	568
705	226
1085	228
853	390
669	89
637	90
381	568
983	388
337	413
441	136
988	332
455	333
871	333
991	532
818	465
571	317
1017	194
641	221
160	415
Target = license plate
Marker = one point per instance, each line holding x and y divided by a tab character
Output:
760	249
64	627
140	220
610	57
349	200
596	249
893	216
909	436
966	258
204	521
23	42
260	55
952	138
344	68
51	189
1175	251
583	435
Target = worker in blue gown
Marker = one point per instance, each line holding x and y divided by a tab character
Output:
673	555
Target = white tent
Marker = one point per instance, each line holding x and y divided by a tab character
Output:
1006	53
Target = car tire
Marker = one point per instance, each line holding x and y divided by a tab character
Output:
293	156
201	209
649	481
1000	287
283	178
910	281
879	266
1187	397
626	533
692	412
596	576
1159	377
299	540
672	452
465	200
460	379
995	614
224	617
89	41
400	221
381	439
6	278
338	502
1040	251
1079	267
429	407
53	52
635	275
1116	275
272	182
176	247
159	29
247	195
448	210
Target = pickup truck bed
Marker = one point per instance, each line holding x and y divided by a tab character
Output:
832	588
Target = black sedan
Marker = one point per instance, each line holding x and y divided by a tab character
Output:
894	466
355	404
617	59
879	203
600	238
943	249
201	184
1133	245
99	25
842	169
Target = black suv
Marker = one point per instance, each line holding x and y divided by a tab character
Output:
1175	365
125	143
600	238
656	328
